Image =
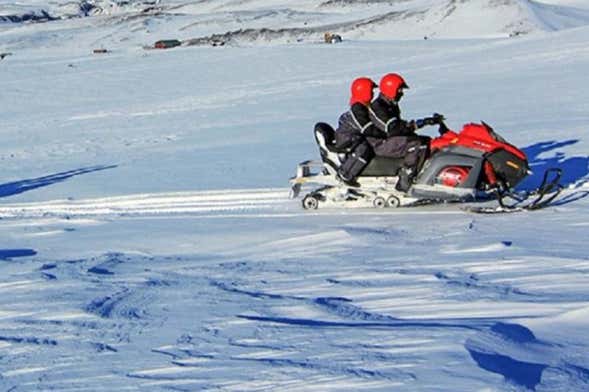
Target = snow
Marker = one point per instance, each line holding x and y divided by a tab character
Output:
147	241
137	23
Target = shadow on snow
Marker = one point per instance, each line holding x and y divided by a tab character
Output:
7	254
17	187
485	348
574	169
487	356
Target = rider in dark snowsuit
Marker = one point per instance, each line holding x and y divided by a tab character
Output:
354	129
375	128
401	140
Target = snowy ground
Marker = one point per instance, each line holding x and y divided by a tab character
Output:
147	241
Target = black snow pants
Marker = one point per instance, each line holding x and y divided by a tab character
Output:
356	160
414	149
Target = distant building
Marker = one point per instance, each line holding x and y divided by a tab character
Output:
167	44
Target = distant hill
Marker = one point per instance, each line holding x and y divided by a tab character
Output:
248	22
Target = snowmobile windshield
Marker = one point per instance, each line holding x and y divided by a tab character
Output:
494	134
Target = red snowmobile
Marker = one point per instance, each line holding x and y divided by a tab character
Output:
475	164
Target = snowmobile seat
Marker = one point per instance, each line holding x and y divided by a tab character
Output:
333	156
382	167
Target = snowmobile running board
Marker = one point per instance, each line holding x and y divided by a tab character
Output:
544	195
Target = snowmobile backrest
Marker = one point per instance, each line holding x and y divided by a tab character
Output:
325	137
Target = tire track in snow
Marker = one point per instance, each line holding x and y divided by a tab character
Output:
157	204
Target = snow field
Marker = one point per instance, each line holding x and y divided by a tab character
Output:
147	243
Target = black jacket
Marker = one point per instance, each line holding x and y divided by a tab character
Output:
355	124
385	114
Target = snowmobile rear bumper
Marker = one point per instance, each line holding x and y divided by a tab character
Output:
315	172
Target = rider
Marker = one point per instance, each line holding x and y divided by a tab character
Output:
401	140
354	129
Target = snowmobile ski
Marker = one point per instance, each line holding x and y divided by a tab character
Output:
542	197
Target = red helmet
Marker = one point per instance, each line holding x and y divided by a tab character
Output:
390	84
362	90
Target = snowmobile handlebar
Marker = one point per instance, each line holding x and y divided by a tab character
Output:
443	128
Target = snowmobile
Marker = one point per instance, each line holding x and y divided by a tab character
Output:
475	164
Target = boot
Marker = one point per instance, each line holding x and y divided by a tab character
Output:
405	179
351	182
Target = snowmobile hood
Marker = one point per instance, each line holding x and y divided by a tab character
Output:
476	136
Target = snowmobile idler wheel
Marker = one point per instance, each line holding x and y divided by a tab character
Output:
393	202
310	202
379	202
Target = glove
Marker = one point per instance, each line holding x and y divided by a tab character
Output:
411	125
433	120
438	118
422	122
